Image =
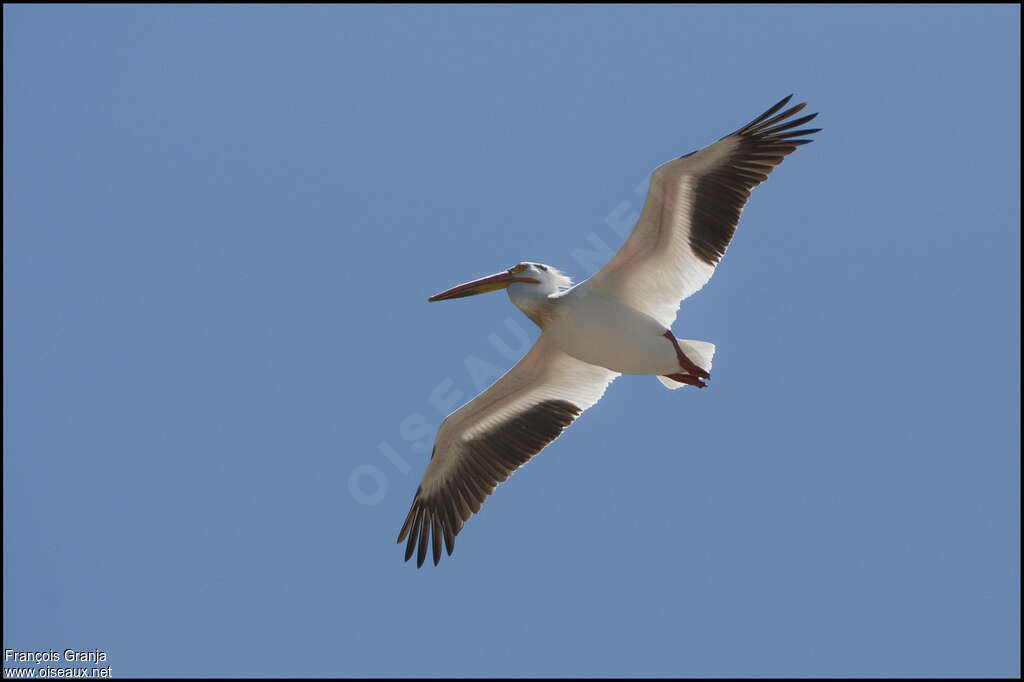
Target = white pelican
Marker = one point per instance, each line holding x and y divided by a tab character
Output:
616	322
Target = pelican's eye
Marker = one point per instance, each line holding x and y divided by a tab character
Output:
517	269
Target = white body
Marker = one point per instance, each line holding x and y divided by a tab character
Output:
597	328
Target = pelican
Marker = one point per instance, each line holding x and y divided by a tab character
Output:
617	322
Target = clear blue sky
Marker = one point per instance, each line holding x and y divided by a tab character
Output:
221	226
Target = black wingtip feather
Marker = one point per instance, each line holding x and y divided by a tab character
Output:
779	105
491	458
722	191
797	133
795	109
448	527
405	526
436	532
413	532
421	552
773	131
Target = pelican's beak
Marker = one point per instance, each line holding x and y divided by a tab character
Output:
481	286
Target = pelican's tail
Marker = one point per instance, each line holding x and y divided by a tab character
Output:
699	352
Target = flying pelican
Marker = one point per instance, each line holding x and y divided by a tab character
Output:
617	322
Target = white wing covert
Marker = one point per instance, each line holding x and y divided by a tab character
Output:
483	442
690	214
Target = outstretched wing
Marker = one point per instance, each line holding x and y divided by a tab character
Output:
693	205
487	439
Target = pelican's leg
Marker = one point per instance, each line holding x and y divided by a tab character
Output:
684	361
687	379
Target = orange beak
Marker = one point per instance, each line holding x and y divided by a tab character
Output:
481	286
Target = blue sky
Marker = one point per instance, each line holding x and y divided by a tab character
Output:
222	376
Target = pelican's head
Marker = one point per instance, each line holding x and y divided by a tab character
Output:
525	280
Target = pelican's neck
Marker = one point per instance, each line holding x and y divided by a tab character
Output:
535	300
